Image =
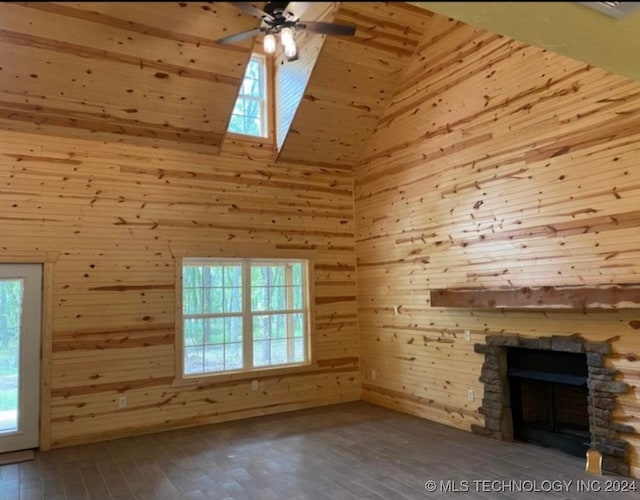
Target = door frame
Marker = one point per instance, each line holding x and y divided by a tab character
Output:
47	260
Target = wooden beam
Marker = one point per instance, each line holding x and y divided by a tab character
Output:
547	297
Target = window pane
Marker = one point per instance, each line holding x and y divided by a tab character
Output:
257	276
251	87
212	276
259	298
193	360
233	276
233	356
214	358
297	297
238	108
298	325
192	301
278	326
192	276
252	109
236	124
253	69
261	354
193	332
277	298
261	327
297	273
214	330
233	299
11	309
233	329
276	275
212	300
252	126
278	352
298	351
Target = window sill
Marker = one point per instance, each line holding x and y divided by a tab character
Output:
232	136
255	374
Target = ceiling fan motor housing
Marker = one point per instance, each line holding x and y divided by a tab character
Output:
278	20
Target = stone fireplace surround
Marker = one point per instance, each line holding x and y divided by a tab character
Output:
603	389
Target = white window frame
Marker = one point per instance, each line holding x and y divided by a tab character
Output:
262	100
247	317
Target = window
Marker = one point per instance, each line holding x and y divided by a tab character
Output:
249	116
243	314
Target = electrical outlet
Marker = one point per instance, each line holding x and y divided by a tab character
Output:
254	385
471	395
374	374
122	401
467	335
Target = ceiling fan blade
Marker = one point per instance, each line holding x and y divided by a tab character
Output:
239	36
250	9
327	28
295	10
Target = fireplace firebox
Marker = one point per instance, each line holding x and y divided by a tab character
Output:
550	398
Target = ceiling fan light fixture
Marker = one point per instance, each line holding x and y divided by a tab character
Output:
290	50
286	36
280	20
269	43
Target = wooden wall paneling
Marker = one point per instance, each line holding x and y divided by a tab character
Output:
117	215
496	164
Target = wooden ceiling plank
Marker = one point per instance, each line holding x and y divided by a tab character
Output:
145	46
144	73
132	26
353	81
111	88
15	38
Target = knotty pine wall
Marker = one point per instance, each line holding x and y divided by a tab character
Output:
112	218
497	164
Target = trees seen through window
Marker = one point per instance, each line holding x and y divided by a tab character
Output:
242	314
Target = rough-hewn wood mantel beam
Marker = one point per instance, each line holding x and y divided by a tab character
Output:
548	297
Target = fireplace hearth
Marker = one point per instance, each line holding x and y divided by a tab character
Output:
553	391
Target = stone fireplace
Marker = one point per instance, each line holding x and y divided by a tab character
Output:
554	391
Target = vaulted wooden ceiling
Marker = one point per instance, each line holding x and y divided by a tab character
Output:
353	80
147	73
152	73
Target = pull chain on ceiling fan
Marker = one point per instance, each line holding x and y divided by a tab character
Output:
282	19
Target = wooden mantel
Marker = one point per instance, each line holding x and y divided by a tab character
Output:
625	296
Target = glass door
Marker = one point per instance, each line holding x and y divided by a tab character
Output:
20	323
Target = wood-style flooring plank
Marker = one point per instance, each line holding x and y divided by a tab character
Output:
340	452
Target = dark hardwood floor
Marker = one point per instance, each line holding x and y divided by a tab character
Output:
347	451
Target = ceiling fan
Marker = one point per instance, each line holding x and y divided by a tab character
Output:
282	19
